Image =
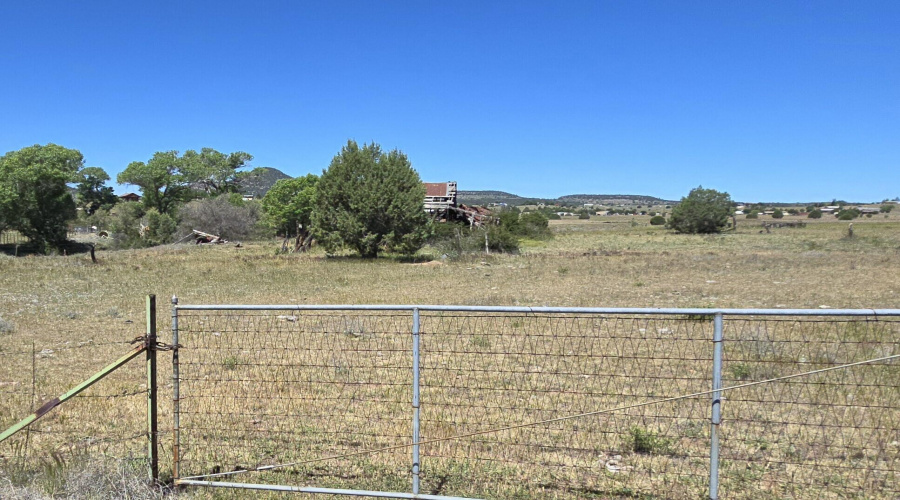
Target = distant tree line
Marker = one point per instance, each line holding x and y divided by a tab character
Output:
368	200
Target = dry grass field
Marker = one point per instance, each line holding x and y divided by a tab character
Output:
64	317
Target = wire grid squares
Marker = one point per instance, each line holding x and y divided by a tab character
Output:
493	371
834	434
267	388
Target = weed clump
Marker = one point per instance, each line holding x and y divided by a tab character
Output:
78	478
6	326
647	442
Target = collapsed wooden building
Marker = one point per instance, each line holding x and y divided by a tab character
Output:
441	203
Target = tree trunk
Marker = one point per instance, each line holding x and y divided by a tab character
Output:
304	240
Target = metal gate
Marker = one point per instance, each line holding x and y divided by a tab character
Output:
513	402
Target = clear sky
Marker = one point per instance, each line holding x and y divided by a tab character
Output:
777	101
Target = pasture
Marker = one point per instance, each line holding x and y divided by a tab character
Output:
85	314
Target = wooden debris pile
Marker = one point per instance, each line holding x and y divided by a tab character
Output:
202	238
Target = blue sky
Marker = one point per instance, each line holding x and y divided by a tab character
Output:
778	101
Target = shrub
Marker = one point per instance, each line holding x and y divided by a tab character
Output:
160	228
225	215
509	220
553	216
534	225
455	240
658	220
584	216
848	214
753	215
778	214
501	239
125	224
133	227
647	442
6	326
886	208
793	211
814	214
701	211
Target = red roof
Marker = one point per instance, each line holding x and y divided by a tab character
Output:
436	189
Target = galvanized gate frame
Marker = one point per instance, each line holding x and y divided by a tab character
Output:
717	315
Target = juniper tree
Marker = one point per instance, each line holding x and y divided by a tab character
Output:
370	200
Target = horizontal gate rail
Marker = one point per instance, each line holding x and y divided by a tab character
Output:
544	310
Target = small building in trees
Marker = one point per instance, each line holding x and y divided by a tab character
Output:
130	197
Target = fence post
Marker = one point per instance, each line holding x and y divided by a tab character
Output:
152	434
716	418
176	433
415	403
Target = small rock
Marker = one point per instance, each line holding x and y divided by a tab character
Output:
287	318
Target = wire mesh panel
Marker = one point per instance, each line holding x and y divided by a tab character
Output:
275	387
107	419
830	435
483	372
540	404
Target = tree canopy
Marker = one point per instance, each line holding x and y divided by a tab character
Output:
168	179
34	197
289	204
93	193
701	211
370	200
162	182
214	172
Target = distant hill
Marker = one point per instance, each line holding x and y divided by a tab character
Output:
487	197
260	180
614	199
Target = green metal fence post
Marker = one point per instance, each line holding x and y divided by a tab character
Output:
152	434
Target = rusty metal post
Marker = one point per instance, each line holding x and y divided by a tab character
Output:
176	432
152	429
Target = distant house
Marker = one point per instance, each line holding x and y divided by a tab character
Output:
130	197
